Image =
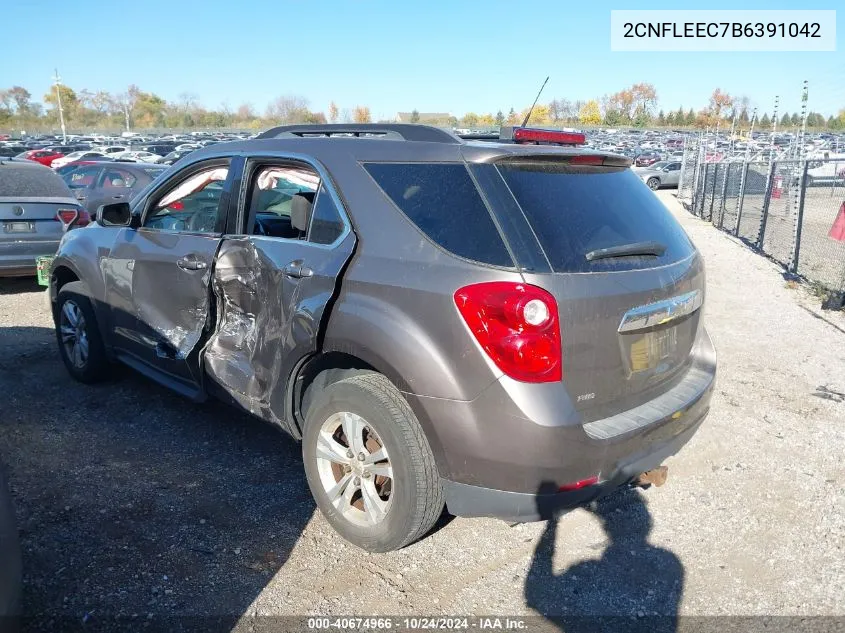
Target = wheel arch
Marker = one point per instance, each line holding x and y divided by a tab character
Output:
326	368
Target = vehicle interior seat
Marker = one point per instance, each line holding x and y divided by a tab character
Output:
287	218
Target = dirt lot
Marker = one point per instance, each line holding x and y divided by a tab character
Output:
133	502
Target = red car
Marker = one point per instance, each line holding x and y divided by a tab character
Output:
43	156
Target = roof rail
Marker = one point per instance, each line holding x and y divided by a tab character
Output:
393	131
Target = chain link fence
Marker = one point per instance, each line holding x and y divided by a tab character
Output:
793	210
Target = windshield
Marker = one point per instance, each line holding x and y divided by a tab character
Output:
659	165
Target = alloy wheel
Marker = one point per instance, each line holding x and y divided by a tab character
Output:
354	469
72	328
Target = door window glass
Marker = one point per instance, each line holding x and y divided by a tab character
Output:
281	199
193	206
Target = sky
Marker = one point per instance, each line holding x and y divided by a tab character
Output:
433	56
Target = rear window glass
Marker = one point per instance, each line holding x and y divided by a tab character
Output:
576	210
442	200
29	181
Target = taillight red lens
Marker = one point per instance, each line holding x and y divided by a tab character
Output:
517	326
84	218
176	206
586	159
528	135
66	216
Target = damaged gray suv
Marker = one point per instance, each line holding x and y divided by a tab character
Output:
509	327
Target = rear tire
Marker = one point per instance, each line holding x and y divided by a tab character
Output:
653	184
78	336
381	490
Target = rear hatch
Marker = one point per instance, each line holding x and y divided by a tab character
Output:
628	281
31	197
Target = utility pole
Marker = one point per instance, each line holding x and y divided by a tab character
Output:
58	81
126	112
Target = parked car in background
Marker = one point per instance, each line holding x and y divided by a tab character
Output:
10	561
135	155
109	150
96	183
88	154
646	158
43	156
285	274
660	174
36	209
173	156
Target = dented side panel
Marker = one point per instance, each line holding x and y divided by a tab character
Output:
159	309
268	320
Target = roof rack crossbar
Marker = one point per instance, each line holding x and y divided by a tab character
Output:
395	131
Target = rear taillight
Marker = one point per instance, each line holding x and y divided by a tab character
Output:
529	135
84	218
67	216
517	326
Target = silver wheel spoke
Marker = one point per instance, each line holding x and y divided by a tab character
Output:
68	333
347	496
384	470
328	448
71	314
353	428
77	354
373	504
335	492
377	456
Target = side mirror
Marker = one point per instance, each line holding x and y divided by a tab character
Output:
115	214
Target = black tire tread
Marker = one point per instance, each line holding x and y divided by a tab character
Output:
429	494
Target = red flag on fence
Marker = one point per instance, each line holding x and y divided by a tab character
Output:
837	231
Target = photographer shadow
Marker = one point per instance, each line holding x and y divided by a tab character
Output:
633	586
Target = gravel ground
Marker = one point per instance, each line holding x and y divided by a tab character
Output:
133	502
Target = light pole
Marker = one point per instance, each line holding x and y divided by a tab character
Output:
58	81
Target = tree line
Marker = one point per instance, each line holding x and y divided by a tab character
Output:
635	106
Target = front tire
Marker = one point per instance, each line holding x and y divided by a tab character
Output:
80	345
369	465
653	184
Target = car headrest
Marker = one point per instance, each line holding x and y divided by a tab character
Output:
300	210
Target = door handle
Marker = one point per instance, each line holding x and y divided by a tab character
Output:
117	197
191	263
297	270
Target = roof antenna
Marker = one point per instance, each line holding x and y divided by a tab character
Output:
528	116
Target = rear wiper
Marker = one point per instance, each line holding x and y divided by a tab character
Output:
635	249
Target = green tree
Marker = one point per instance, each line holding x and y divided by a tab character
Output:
661	118
765	121
70	102
642	118
690	119
470	120
500	119
415	116
513	118
795	119
613	118
670	118
785	120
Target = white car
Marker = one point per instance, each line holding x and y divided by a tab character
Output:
139	156
111	150
85	154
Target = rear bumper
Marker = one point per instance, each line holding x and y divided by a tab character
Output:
475	501
18	258
501	454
